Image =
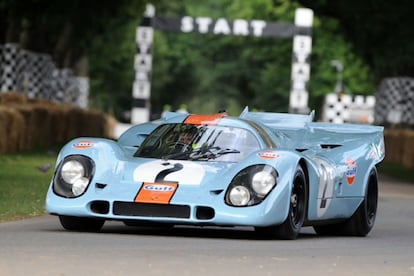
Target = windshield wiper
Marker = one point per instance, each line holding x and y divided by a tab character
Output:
209	152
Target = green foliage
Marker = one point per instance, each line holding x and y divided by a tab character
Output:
210	72
379	30
206	72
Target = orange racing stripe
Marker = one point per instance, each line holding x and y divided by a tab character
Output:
204	119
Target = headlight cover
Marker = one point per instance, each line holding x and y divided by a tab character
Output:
251	186
73	176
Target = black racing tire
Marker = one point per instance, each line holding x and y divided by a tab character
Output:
290	228
363	220
81	224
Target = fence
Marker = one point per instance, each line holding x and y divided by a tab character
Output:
36	76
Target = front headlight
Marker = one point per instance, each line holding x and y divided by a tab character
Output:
71	171
239	196
251	185
263	182
73	176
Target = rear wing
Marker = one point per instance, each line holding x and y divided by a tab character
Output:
297	131
278	120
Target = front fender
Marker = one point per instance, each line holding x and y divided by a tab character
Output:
285	163
105	153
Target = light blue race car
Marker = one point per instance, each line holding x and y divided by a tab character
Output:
275	172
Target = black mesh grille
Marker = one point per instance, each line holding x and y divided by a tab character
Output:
151	210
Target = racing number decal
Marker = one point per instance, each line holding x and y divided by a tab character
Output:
326	186
159	192
184	172
162	174
326	179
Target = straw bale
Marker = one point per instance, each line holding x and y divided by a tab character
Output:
12	126
30	123
26	112
41	128
408	148
75	123
4	118
393	145
12	97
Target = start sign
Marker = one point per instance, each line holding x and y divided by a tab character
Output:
222	26
302	47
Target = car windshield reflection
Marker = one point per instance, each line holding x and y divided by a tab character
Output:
198	143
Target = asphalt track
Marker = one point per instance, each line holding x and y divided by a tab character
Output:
39	246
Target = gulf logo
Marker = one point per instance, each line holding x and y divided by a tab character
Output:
156	193
83	145
159	188
351	170
268	155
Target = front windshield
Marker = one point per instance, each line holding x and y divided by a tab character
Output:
198	142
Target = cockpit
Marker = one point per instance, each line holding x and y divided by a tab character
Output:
198	142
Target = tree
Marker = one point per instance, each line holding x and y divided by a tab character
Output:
380	32
211	72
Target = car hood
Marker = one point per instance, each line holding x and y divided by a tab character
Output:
185	172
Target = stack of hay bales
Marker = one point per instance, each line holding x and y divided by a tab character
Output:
398	147
12	123
25	124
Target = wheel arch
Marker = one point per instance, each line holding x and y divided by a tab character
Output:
302	163
372	172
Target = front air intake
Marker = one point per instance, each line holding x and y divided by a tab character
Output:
150	210
204	213
100	207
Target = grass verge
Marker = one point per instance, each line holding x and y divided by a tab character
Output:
397	171
23	185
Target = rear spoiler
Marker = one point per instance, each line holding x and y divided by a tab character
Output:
274	120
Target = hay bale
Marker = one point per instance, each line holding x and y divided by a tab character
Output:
407	159
31	123
12	97
12	124
393	145
41	126
109	127
98	124
26	111
75	119
3	124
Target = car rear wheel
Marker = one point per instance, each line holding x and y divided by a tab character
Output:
361	223
291	227
81	224
363	220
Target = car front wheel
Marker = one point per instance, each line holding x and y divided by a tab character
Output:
290	228
81	224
